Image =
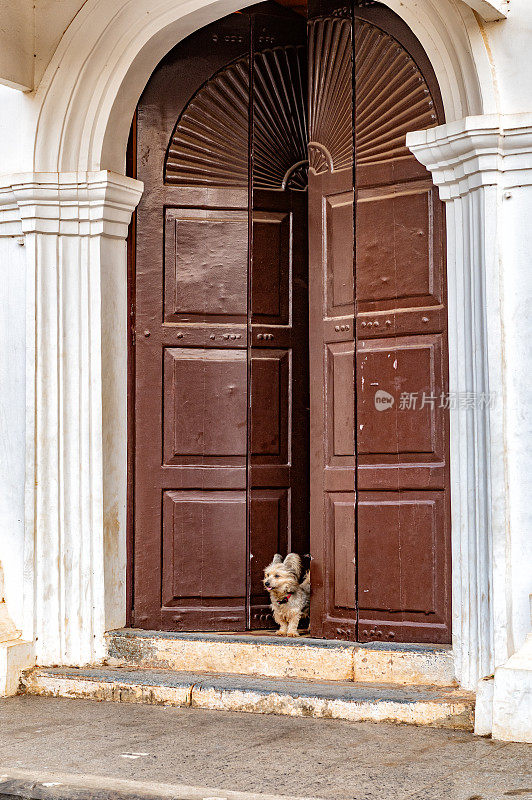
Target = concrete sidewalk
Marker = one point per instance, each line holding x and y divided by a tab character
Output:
84	749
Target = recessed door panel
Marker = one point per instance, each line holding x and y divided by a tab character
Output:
201	389
405	586
204	523
340	359
339	253
407	370
342	511
395	259
270	406
270	295
270	534
205	264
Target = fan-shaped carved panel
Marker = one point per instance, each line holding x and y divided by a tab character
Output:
391	97
280	118
210	142
330	94
293	129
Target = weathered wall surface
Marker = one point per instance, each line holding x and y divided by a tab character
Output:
12	414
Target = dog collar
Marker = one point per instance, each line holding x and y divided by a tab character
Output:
285	599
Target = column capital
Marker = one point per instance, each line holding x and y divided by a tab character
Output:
69	203
489	150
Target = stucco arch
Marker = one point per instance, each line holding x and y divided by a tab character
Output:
107	54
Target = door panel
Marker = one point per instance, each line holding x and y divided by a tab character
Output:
406	584
341	521
215	574
379	480
278	480
270	528
403	546
202	387
332	345
190	349
205	270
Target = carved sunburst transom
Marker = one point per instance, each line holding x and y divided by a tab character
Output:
294	129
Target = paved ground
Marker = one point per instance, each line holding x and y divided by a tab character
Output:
257	753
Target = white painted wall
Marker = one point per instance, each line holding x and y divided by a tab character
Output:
18	113
516	256
12	420
16	43
510	43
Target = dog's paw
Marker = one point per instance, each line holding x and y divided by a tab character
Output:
292	633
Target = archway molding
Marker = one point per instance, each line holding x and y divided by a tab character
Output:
91	87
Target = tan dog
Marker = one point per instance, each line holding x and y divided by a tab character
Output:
290	599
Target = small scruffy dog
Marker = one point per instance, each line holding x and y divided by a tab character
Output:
290	599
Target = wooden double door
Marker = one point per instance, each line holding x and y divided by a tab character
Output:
277	180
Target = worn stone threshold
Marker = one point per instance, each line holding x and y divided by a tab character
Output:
282	657
347	700
270	638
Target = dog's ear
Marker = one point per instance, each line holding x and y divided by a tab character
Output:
293	563
277	559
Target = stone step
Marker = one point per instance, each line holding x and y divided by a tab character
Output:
279	657
442	707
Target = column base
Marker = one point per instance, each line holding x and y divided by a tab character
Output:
484	707
512	697
15	656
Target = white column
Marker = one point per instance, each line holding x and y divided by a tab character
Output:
75	227
483	168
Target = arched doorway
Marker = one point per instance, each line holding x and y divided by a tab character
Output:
223	371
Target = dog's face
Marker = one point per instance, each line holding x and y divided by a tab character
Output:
280	577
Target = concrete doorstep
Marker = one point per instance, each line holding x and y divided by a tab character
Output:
444	707
277	657
265	674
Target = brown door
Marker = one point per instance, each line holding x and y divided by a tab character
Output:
221	325
380	536
225	135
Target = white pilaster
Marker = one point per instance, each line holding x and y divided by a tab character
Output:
483	168
75	226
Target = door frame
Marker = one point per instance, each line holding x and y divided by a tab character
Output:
390	23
